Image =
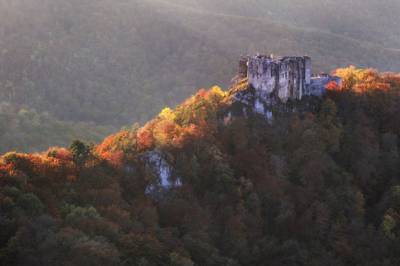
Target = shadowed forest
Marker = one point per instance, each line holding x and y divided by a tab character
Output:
319	186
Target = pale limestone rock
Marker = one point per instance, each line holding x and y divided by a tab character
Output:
157	164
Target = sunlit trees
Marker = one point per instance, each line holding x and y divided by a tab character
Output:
361	80
145	138
167	114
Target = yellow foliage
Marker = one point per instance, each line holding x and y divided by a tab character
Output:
217	91
167	114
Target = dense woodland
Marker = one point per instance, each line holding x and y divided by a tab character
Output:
317	186
28	130
111	63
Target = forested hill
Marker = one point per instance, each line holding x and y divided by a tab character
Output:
316	186
366	20
115	62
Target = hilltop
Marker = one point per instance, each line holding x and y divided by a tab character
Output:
319	185
112	63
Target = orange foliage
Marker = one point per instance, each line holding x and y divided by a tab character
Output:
5	169
106	145
193	131
59	153
332	86
165	131
116	159
112	142
362	80
41	166
201	93
145	139
215	95
187	121
64	154
170	128
114	147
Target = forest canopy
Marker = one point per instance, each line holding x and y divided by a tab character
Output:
318	186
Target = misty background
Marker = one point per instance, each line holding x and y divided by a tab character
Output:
84	68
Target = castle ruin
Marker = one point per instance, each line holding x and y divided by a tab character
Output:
285	78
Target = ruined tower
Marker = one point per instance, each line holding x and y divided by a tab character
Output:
285	77
274	80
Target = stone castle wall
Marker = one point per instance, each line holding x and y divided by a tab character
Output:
277	80
285	77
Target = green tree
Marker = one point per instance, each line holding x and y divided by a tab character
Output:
80	152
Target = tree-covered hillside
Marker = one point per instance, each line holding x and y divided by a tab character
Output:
26	130
368	20
316	186
113	63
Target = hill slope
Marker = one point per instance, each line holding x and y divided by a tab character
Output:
372	21
26	130
118	62
318	186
